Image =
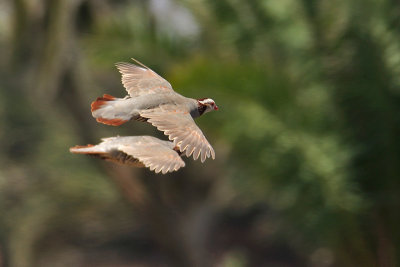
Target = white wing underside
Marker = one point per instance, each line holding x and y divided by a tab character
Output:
181	129
155	155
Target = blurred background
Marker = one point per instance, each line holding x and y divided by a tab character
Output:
307	169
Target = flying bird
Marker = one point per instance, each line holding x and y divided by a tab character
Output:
139	151
151	98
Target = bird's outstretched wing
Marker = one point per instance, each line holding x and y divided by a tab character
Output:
139	80
181	129
156	154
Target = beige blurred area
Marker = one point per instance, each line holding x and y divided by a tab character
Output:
306	136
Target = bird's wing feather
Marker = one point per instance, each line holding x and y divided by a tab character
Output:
140	80
181	128
155	154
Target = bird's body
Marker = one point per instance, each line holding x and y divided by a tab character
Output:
152	99
139	151
125	109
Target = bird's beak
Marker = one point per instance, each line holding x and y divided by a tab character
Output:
215	107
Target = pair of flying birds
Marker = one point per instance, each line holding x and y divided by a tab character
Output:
151	99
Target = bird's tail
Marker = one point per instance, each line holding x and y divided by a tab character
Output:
88	149
105	110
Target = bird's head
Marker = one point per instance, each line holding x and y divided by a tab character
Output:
206	105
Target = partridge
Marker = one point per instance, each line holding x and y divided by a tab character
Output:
139	151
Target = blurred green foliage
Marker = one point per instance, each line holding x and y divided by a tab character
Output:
307	169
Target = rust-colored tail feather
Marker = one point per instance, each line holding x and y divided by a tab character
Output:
113	122
76	150
100	101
